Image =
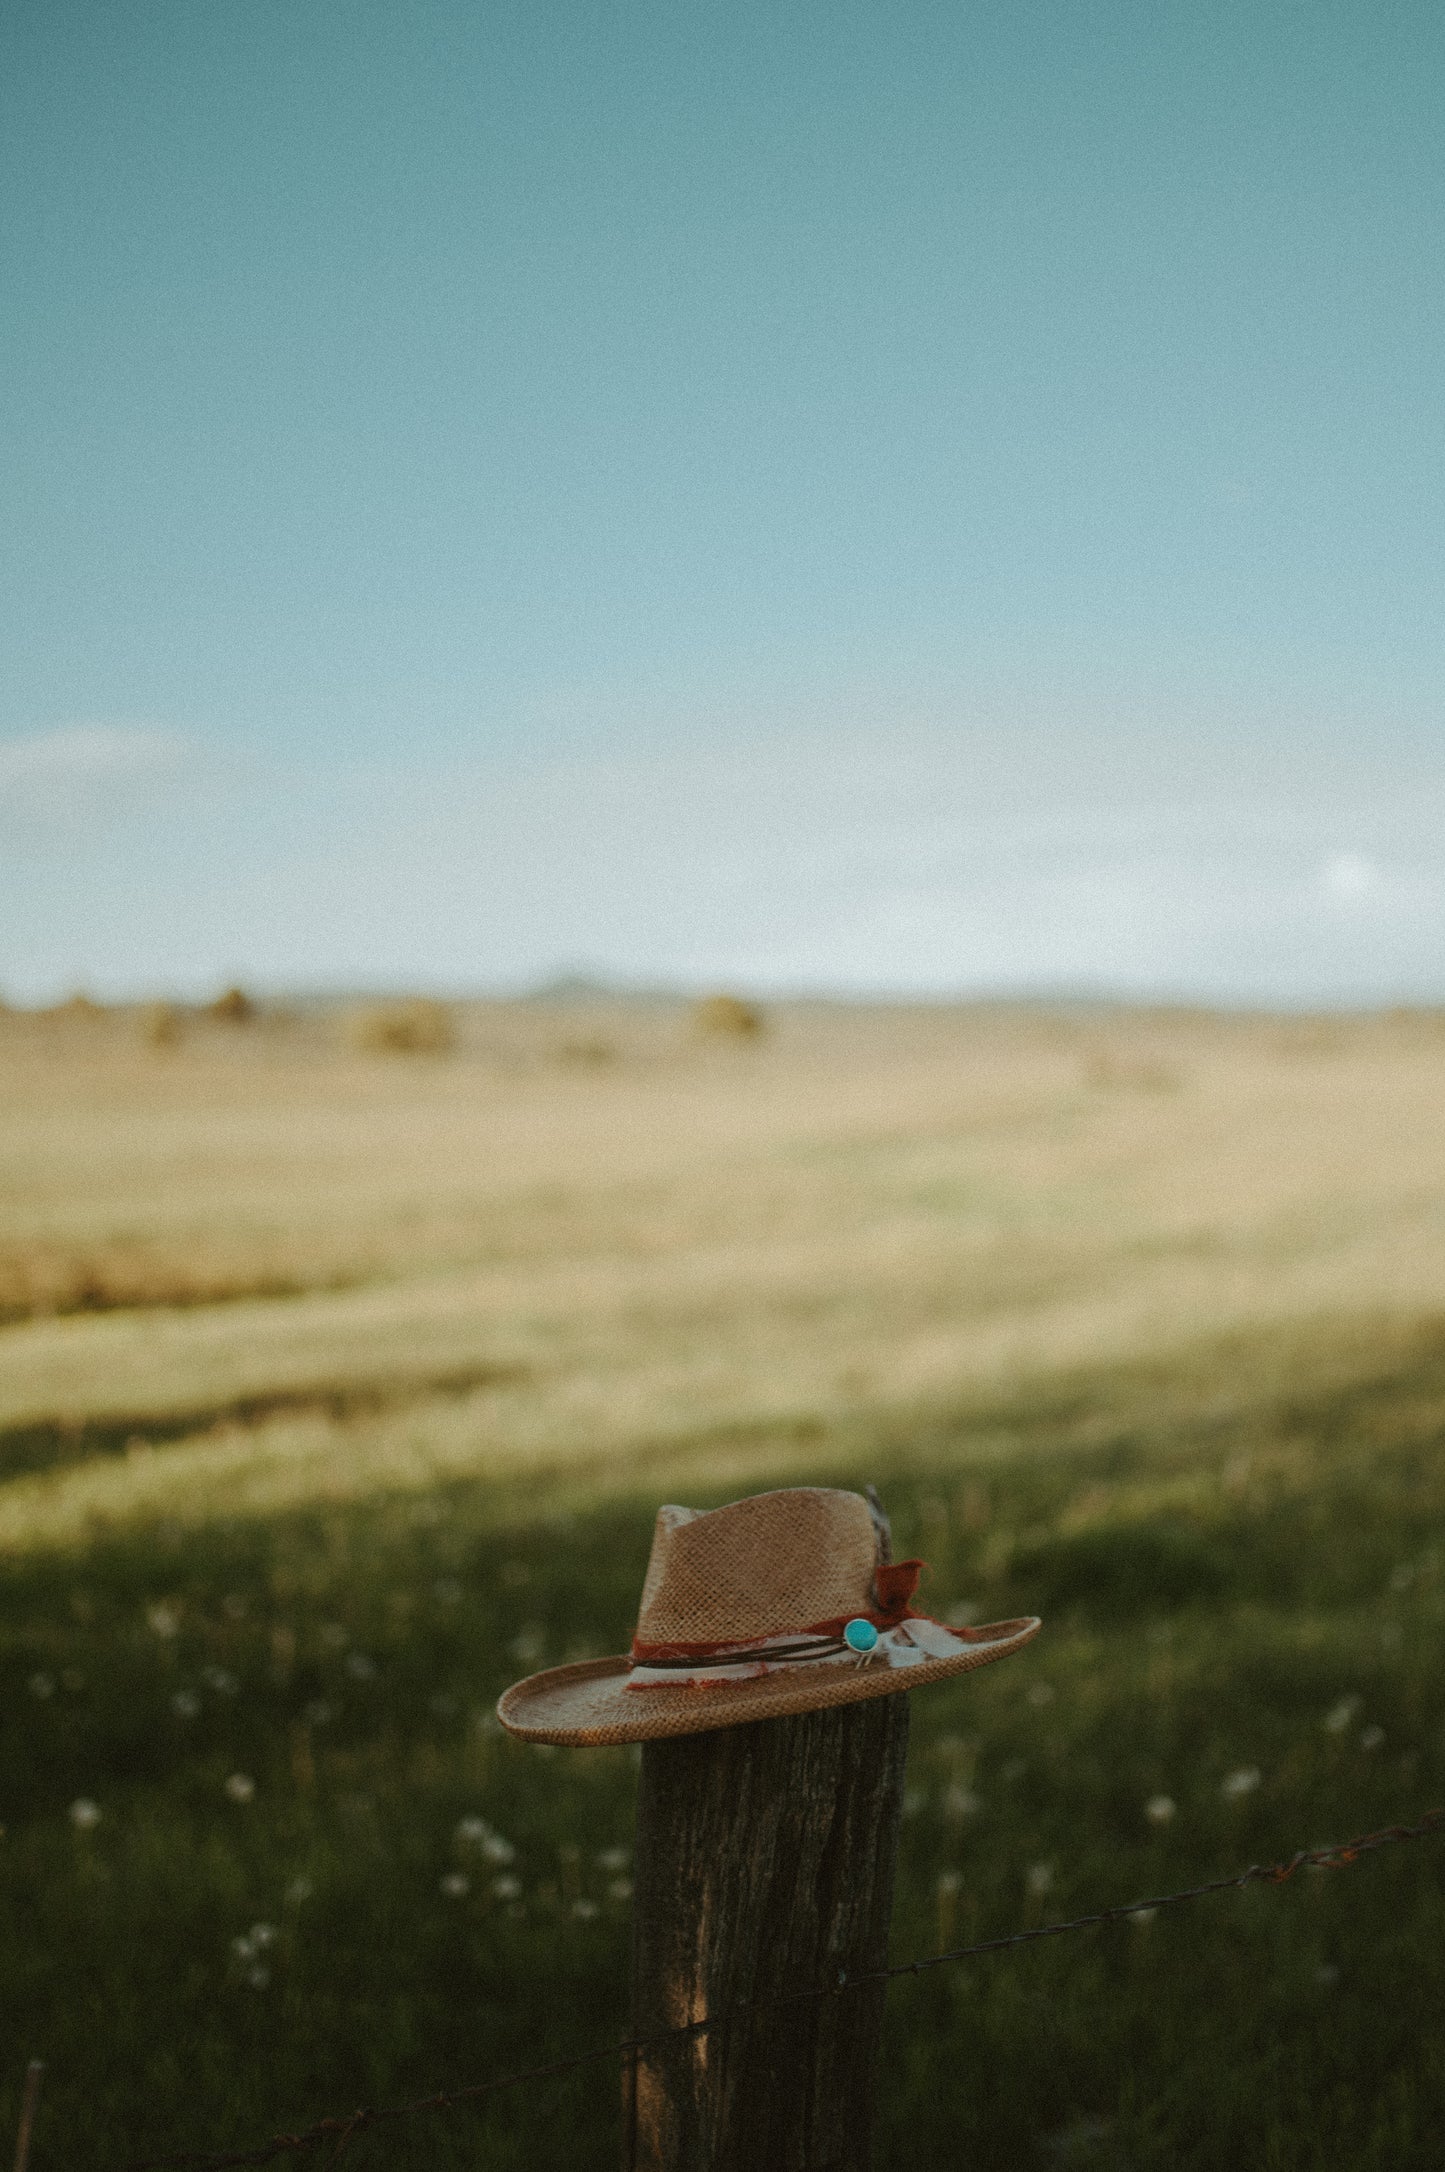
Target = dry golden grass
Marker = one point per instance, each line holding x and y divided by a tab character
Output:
307	1269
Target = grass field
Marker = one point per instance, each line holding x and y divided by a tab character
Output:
338	1388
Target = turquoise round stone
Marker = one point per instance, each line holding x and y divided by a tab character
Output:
860	1635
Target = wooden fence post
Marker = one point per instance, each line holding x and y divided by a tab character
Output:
34	2075
764	1865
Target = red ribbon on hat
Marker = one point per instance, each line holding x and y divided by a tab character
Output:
894	1584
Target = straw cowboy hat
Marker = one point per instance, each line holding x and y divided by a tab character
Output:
785	1602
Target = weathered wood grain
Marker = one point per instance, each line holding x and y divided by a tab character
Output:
765	1860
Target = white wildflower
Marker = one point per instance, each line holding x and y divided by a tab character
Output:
1371	1737
240	1787
507	1888
1340	1715
162	1620
1160	1809
1242	1782
475	1832
456	1885
84	1814
1040	1879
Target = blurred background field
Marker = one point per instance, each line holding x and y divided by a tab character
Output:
347	1352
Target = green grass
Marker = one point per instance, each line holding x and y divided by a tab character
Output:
1224	1568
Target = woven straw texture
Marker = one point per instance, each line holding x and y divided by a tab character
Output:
775	1562
761	1567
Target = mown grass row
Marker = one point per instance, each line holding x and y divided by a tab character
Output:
267	1856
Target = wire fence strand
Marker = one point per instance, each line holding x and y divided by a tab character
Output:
342	2127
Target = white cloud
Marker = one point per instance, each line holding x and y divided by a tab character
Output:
827	861
75	769
1350	875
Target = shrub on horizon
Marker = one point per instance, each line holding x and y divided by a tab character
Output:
419	1026
728	1017
160	1025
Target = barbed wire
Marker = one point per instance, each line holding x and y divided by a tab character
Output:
341	2128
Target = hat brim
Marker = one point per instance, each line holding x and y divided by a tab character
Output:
589	1705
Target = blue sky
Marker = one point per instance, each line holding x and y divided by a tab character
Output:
919	496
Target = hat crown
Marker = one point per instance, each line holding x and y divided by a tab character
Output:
761	1567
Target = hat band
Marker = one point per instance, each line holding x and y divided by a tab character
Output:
776	1650
894	1584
